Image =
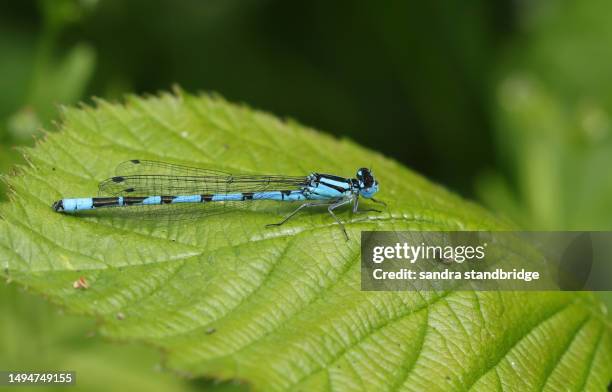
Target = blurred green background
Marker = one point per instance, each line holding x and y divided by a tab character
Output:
506	102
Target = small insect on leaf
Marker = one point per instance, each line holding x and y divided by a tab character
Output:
80	283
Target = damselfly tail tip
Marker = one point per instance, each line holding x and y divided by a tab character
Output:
58	206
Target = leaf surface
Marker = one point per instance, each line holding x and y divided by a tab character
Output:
278	308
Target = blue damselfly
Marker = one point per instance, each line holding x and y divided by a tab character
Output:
149	183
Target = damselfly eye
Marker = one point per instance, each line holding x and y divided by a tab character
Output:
365	177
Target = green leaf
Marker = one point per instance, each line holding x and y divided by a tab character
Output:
35	336
281	308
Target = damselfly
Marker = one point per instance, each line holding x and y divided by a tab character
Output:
150	183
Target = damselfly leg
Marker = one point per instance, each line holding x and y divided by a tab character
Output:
331	206
356	205
331	209
305	205
378	201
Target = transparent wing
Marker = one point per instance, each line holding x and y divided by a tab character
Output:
154	185
145	167
149	178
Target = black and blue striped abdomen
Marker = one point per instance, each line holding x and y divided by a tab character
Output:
90	203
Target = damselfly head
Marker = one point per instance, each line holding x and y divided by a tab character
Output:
368	185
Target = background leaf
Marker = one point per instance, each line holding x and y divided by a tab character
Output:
278	308
36	337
